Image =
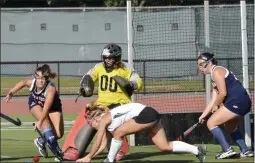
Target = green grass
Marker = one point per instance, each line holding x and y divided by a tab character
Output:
71	85
18	144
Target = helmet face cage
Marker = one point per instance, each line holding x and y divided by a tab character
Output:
111	51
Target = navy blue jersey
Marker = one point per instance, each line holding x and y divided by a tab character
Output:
237	97
38	98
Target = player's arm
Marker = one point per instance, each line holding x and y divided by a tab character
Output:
48	102
26	82
219	79
103	144
106	119
211	104
21	84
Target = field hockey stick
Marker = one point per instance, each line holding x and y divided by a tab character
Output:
17	123
190	129
77	98
43	137
39	132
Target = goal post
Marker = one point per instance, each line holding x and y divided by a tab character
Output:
247	121
130	52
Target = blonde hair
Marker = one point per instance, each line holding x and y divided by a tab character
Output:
93	110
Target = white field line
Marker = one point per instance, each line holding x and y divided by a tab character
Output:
27	126
6	157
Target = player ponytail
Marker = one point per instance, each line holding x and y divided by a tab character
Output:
46	71
94	110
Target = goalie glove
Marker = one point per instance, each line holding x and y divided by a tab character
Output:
86	86
126	86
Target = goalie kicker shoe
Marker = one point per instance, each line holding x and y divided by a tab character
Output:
228	154
201	153
41	147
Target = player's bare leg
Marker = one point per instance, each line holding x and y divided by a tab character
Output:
57	121
158	137
117	141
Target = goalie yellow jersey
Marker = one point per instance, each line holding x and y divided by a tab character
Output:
109	91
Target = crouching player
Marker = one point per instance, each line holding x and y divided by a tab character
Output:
127	119
230	102
116	82
45	106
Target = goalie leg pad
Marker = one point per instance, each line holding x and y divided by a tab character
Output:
69	148
80	122
83	139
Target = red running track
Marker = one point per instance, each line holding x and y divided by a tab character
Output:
172	104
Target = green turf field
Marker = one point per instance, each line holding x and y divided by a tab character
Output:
17	146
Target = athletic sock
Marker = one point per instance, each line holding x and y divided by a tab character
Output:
179	146
220	137
41	140
114	149
51	140
237	136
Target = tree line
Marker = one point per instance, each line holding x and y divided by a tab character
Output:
110	3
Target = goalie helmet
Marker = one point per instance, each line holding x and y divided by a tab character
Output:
112	50
111	56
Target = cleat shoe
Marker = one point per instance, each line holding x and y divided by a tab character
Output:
248	153
41	147
228	154
56	159
201	153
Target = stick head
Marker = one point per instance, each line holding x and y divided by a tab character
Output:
18	122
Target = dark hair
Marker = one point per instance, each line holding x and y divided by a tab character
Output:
46	71
209	57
